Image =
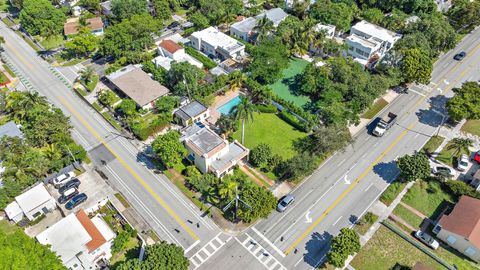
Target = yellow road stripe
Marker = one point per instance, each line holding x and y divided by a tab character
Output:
129	169
20	56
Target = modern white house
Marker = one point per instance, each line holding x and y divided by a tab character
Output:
31	204
216	44
80	241
136	84
210	153
461	228
191	113
169	51
368	42
245	29
328	29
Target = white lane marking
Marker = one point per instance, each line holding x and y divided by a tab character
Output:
368	138
154	218
421	94
208	253
335	223
264	253
268	242
369	186
418	134
446	65
192	246
341	162
364	155
347	182
440	90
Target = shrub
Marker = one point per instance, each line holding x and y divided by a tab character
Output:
191	171
270	108
260	155
143	129
292	120
207	62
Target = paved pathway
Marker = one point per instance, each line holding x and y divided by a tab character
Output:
413	210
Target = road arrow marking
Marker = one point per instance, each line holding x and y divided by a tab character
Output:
346	179
309	219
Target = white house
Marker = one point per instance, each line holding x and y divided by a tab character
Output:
191	113
80	241
368	42
275	15
215	43
32	204
245	29
209	152
328	29
169	51
461	228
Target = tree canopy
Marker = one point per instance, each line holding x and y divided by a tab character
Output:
160	256
126	9
417	66
270	57
464	15
40	17
333	12
466	102
413	167
84	43
169	148
344	244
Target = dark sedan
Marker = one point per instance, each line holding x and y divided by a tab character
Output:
75	201
74	183
460	56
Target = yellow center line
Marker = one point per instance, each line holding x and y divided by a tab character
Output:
379	158
20	56
129	169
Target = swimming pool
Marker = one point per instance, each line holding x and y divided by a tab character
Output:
227	107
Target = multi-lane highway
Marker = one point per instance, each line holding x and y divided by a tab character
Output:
336	195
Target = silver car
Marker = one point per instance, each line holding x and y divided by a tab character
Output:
427	239
462	163
285	202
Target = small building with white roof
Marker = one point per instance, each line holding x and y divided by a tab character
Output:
327	29
217	44
169	51
31	204
245	29
368	41
80	241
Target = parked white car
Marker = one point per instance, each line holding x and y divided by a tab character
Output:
443	170
462	163
62	179
427	239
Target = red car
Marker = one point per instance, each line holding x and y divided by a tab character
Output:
477	157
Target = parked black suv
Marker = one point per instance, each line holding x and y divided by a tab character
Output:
74	183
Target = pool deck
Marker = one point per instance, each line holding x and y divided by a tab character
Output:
219	102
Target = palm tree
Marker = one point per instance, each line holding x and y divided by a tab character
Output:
87	74
20	103
210	195
263	28
237	79
228	189
262	94
244	112
459	145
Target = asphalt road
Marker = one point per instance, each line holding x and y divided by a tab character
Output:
168	212
335	196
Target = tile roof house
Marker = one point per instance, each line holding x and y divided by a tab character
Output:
169	51
461	228
133	82
209	152
94	24
368	41
216	44
191	113
31	204
80	241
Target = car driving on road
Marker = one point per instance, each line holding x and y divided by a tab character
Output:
285	202
459	56
427	239
75	201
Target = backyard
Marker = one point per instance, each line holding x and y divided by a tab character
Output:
427	197
270	129
287	87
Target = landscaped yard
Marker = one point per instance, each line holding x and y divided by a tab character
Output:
448	156
392	192
433	144
92	84
427	197
408	216
52	42
386	249
375	108
287	88
270	129
472	127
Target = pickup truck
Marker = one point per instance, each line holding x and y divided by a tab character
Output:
385	124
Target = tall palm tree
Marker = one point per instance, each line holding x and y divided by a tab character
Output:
237	79
87	74
263	28
227	189
210	195
244	112
19	103
459	145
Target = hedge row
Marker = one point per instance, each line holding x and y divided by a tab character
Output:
270	108
207	62
293	120
143	130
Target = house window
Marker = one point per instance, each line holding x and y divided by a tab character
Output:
205	115
470	251
451	239
36	214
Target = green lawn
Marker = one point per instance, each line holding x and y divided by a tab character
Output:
427	197
392	192
287	88
3	78
52	42
408	216
92	84
386	249
7	227
448	156
375	108
472	127
455	258
270	129
433	144
9	70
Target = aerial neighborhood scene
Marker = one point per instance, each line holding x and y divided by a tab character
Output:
240	134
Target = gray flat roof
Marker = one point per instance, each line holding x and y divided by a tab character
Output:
235	153
191	110
205	140
276	15
10	129
246	25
